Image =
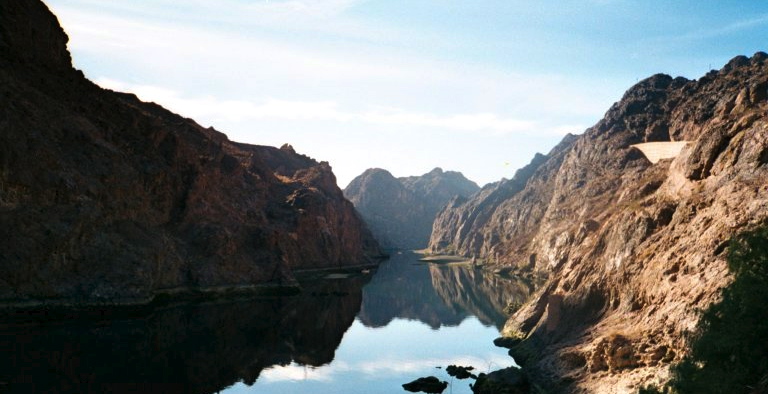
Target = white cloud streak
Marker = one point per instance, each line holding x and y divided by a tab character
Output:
256	61
214	111
313	8
295	372
717	31
378	368
310	74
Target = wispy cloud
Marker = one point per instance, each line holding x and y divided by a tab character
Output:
227	8
312	8
710	31
336	68
215	110
240	17
165	45
312	74
737	26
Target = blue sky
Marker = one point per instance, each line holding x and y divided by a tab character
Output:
471	86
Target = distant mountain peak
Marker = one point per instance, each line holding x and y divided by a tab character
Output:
400	211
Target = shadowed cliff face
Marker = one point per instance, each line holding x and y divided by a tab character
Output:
104	198
196	348
30	34
400	211
631	249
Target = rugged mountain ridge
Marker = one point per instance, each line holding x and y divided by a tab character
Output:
464	216
400	211
631	249
105	198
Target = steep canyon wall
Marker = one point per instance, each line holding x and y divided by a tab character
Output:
108	199
632	249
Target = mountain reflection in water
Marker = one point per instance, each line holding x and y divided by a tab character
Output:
440	295
195	348
207	347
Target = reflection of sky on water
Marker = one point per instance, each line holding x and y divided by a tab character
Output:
414	318
362	335
380	360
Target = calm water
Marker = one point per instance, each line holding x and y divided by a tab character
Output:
360	334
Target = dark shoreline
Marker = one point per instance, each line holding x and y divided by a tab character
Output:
44	311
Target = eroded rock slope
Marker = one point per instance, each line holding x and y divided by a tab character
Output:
631	249
400	211
105	198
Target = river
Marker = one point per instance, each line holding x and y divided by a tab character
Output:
358	333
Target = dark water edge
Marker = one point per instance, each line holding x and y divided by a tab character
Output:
191	347
202	342
44	311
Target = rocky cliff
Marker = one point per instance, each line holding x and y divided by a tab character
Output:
400	211
105	198
631	249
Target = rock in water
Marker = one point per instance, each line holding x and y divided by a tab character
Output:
429	384
460	372
505	381
108	199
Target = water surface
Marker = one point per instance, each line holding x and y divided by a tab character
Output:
415	319
344	334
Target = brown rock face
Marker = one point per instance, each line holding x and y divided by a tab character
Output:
30	34
400	211
104	198
458	228
631	249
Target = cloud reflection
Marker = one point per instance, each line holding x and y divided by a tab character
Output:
382	368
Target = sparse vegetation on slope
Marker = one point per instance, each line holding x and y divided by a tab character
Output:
729	353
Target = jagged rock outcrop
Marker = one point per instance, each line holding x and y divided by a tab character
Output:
632	249
400	211
104	198
437	187
458	227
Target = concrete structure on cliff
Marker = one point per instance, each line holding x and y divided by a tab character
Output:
655	151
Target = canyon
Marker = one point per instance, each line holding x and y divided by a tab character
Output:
105	199
631	250
604	256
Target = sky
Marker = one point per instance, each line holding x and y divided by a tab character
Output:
472	86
